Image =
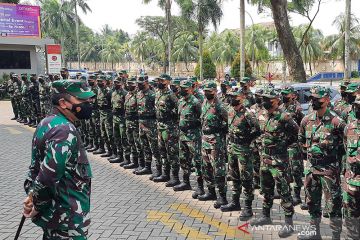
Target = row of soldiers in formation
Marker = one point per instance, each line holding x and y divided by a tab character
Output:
250	139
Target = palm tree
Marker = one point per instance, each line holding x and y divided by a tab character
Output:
112	51
202	12
347	59
92	49
139	47
57	19
185	49
223	47
85	8
311	48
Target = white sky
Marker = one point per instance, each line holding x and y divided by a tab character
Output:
121	14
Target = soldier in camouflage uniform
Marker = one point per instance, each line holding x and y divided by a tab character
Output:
243	129
25	105
351	185
342	103
225	96
320	136
189	110
44	95
279	131
245	84
168	133
132	126
11	92
352	90
214	127
63	177
175	87
196	85
118	108
292	106
35	101
147	127
104	102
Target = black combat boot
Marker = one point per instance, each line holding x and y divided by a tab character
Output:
86	142
15	118
95	147
141	165
156	173
164	177
234	205
296	198
263	220
210	195
175	178
22	120
26	121
313	233
126	161
304	206
118	159
221	200
90	145
107	154
247	212
146	170
256	182
288	228
185	185
134	164
101	150
114	154
200	188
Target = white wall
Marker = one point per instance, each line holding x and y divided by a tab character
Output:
33	58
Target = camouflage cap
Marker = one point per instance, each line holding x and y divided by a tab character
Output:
132	80
101	77
176	81
245	80
64	69
210	86
319	92
186	83
236	93
352	87
142	78
83	78
24	74
193	79
108	78
344	83
123	71
118	80
271	92
15	75
226	83
74	88
287	90
78	74
165	77
92	77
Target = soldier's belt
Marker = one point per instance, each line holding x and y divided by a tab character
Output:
151	117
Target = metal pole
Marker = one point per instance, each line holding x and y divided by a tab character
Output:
252	40
242	38
347	59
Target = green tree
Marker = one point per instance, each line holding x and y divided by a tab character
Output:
256	38
223	47
185	49
11	1
112	51
203	12
235	67
208	67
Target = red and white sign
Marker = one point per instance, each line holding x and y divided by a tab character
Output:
53	58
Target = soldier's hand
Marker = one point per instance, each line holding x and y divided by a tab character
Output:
30	214
28	205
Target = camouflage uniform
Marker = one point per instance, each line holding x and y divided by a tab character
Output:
189	110
321	139
94	124
341	103
351	185
60	183
168	133
11	92
44	95
295	154
35	100
119	127
250	99
214	126
25	105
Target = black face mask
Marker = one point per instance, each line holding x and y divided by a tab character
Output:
209	96
130	88
174	88
141	86
285	99
235	102
63	76
343	95
101	85
183	92
117	87
351	98
82	110
356	109
316	104
267	104
41	80
244	87
91	84
223	89
161	85
258	100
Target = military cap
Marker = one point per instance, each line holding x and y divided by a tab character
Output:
176	81
74	88
142	78
24	74
101	77
15	75
92	77
73	77
186	83
287	90
271	92
41	77
236	93
344	83
83	78
123	71
64	69
245	80
132	80
352	87
319	92
210	85
108	77
165	77
226	83
78	74
193	79
357	99
117	79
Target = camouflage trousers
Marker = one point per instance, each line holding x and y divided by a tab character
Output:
106	124
20	107
241	170
296	166
44	108
190	151
271	175
132	134
15	106
35	109
76	234
121	142
84	133
25	107
149	141
351	207
168	137
214	166
95	129
256	159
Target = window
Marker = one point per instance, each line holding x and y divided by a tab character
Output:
15	59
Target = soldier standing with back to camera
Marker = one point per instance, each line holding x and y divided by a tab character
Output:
44	96
11	92
279	131
321	137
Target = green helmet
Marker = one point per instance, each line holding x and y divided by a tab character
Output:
132	79
165	77
186	83
210	86
75	88
101	77
245	80
352	87
287	90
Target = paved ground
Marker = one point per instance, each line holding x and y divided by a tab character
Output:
124	206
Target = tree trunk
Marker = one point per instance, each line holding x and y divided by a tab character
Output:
168	20
311	73
242	38
347	72
287	40
201	55
77	35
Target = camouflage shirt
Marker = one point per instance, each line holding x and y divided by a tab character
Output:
250	99
200	96
295	111
131	107
34	90
339	106
59	175
166	108
44	91
146	104
104	98
352	146
118	101
189	110
321	139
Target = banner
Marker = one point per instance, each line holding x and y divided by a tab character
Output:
53	59
19	21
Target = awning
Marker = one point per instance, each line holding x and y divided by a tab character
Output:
26	41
